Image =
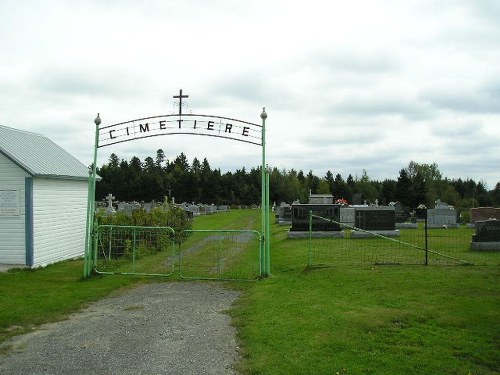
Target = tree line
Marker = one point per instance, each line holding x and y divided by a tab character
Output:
157	178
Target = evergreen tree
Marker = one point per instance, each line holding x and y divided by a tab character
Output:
403	186
155	178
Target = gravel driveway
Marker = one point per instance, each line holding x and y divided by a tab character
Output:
158	328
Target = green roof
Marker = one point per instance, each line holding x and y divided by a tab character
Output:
39	156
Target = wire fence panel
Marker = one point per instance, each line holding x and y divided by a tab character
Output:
135	250
221	255
447	244
367	250
442	245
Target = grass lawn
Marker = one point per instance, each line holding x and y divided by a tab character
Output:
368	319
362	319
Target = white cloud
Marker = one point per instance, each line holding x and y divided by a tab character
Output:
347	85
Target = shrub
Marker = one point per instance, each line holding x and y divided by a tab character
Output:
161	216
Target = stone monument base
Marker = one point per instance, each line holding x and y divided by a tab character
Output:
406	226
485	246
442	226
316	234
385	233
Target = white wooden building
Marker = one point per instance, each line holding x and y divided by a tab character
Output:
43	200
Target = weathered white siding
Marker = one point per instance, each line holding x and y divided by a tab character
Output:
59	218
12	234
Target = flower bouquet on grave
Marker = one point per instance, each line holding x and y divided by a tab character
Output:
342	202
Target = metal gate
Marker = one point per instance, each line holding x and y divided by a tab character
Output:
134	250
221	255
190	254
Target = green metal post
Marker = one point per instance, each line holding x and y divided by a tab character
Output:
264	203
310	238
134	248
96	241
268	225
426	240
89	227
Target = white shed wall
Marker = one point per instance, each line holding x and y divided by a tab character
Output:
12	228
59	219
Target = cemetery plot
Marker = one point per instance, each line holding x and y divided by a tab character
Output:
221	255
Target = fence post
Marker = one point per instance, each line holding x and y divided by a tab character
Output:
310	239
426	240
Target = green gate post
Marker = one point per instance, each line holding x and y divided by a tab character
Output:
268	225
426	234
89	227
309	257
265	202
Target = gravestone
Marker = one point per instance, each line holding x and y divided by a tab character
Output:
400	213
110	209
421	212
487	235
320	227
99	206
192	209
195	209
442	216
128	208
356	199
402	216
484	213
223	208
375	219
122	206
147	206
347	215
190	214
284	214
320	199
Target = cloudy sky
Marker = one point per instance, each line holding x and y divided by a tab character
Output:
348	85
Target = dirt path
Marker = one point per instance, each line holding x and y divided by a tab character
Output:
165	328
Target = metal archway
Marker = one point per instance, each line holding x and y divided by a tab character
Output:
175	124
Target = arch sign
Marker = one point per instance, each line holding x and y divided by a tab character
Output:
174	124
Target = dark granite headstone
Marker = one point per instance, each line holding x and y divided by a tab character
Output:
375	218
487	235
300	217
421	212
487	231
356	199
401	214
